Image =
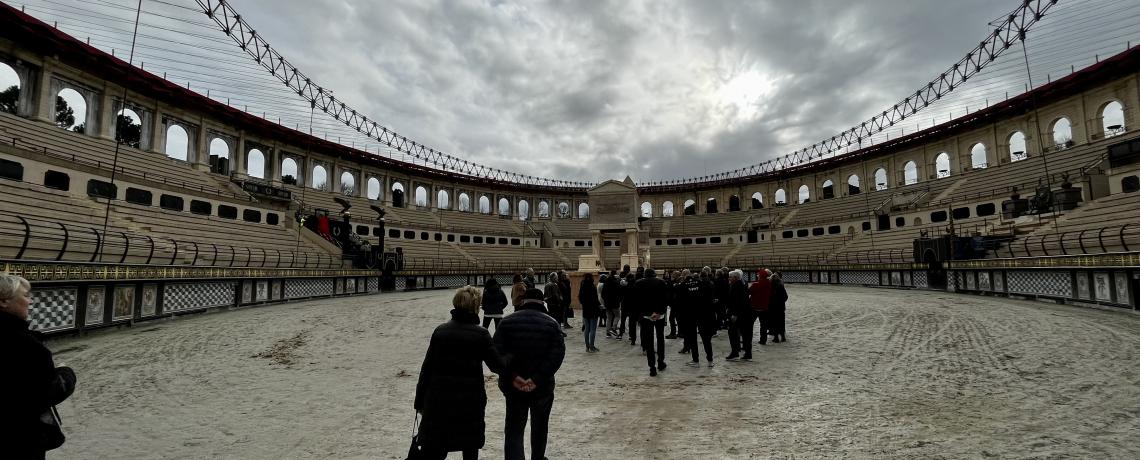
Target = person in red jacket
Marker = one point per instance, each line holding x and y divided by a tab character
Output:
759	292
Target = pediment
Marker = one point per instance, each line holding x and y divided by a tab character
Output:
613	186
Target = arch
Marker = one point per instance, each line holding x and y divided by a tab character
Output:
804	194
375	191
128	131
464	202
757	200
711	206
781	197
221	149
917	221
289	170
443	200
421	197
583	210
320	178
1017	151
1062	132
71	110
828	190
523	209
1112	119
563	210
255	164
881	179
10	86
544	209
733	203
978	156
504	207
853	185
942	165
398	195
177	143
484	204
646	209
690	207
910	173
667	209
347	183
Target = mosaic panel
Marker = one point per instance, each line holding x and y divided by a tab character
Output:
970	283
338	286
1122	288
1102	286
984	281
53	309
96	302
896	279
920	279
124	302
1036	282
1084	290
149	299
308	287
999	282
262	291
824	277
871	278
192	296
350	285
276	290
797	277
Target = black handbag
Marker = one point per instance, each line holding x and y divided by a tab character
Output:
50	431
416	451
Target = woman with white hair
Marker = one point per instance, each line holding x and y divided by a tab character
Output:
32	385
451	393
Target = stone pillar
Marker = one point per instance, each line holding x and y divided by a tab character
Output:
106	116
201	151
273	166
45	99
238	159
158	132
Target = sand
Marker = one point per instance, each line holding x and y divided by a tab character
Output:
867	373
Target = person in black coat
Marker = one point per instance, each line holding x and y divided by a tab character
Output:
699	316
777	305
494	302
720	297
741	317
629	308
564	288
31	384
534	341
450	393
591	310
611	301
652	296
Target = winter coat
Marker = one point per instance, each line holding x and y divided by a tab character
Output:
651	296
552	294
679	299
699	302
533	342
778	301
758	293
738	300
529	282
517	291
564	290
720	293
494	301
450	391
30	386
612	293
588	297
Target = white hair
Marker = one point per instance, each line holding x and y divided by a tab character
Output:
10	286
737	273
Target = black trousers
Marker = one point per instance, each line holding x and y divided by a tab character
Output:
655	357
472	454
740	333
673	321
487	322
706	331
765	318
520	405
631	319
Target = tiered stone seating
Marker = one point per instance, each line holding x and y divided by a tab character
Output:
1083	225
722	222
45	209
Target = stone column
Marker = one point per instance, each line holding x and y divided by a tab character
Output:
273	166
201	151
107	115
158	132
238	161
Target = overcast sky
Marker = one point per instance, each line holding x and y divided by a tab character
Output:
592	90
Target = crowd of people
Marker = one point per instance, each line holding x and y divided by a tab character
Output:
528	345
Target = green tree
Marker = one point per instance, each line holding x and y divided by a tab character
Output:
9	98
127	131
64	116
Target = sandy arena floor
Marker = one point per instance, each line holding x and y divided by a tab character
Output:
868	373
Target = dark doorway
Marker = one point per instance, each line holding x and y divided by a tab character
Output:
935	274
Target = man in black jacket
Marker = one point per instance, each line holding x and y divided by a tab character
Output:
31	385
741	317
533	345
652	296
699	315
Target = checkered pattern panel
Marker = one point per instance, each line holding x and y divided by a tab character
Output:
373	284
53	309
871	278
920	279
1035	282
401	283
797	277
450	281
194	296
308	287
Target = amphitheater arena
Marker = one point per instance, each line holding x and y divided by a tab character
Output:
968	290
